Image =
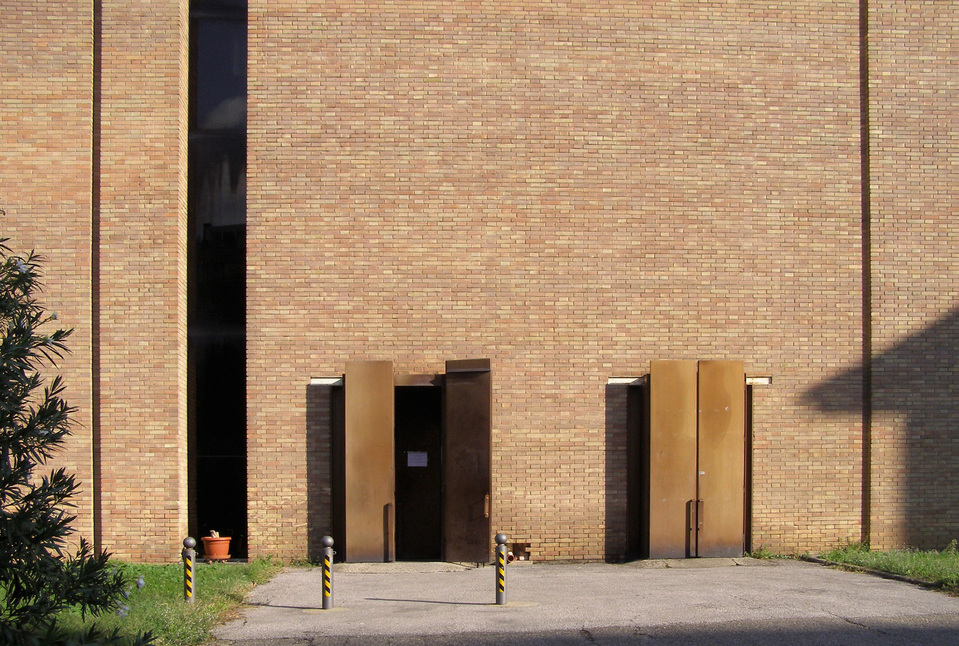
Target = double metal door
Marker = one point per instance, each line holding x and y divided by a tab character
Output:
696	459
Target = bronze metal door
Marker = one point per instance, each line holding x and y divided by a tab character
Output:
368	464
467	461
696	459
722	457
672	457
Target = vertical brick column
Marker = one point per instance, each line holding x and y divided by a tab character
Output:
913	93
46	98
143	278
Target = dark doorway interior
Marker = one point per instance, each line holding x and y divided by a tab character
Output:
419	473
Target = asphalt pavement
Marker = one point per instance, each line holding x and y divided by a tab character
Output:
695	601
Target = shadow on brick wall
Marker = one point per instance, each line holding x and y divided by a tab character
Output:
320	408
915	421
624	528
616	472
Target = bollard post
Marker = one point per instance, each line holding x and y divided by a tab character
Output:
328	552
189	558
501	569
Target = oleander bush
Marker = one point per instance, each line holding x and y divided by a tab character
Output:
43	569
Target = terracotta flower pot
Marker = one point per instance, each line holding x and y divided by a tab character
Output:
216	548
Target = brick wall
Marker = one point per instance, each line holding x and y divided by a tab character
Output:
135	234
45	157
570	190
914	139
143	278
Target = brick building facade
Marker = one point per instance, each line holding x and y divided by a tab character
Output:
569	190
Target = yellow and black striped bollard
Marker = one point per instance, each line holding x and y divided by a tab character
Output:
189	558
328	552
501	569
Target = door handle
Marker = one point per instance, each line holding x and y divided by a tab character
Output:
486	506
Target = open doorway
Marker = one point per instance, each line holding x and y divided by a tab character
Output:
418	437
411	464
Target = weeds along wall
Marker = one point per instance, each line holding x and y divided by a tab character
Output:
568	190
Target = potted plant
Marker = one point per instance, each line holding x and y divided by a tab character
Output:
216	547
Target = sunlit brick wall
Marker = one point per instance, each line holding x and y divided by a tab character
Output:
143	278
45	189
570	190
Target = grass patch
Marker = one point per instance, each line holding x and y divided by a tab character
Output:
938	567
219	588
764	553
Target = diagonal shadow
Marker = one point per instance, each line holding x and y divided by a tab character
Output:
444	603
267	604
913	406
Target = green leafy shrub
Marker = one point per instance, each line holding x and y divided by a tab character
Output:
39	576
